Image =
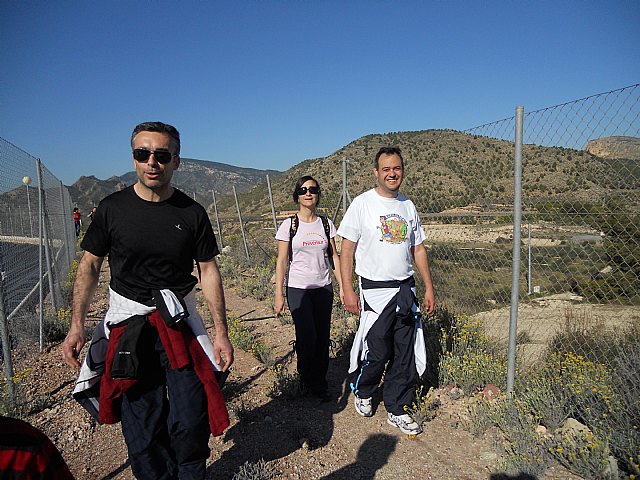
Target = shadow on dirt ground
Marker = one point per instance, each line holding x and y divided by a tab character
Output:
282	425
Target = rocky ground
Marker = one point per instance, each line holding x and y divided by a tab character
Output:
299	438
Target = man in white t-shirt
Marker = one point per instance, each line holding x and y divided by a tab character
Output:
385	227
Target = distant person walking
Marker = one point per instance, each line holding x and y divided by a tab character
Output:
306	255
384	226
91	214
151	358
77	220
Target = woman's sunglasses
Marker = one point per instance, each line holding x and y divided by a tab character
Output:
303	190
143	155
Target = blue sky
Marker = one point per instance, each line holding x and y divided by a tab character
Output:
268	84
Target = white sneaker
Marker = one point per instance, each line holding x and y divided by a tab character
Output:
405	423
363	406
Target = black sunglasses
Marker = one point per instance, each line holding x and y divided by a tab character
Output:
143	155
312	190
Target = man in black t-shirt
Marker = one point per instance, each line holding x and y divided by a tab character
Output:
152	233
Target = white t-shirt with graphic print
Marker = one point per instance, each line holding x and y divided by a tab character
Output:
384	229
309	266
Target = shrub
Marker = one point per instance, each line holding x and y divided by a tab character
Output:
546	399
434	328
241	337
255	471
343	329
471	359
284	383
257	282
423	409
522	450
567	385
609	403
583	453
604	397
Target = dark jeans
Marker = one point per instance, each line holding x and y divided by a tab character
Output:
167	436
311	312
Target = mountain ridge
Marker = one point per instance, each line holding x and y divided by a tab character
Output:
195	177
445	169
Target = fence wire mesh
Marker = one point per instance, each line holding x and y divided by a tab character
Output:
580	226
579	278
579	273
37	244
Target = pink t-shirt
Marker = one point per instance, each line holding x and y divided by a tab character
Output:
309	267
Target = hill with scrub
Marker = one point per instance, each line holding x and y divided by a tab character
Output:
447	169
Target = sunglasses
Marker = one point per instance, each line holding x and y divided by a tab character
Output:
312	190
143	155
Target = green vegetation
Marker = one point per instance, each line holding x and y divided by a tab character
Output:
447	169
599	393
284	383
590	373
425	406
242	337
23	404
471	359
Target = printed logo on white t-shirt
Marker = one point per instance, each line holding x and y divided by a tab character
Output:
393	228
312	239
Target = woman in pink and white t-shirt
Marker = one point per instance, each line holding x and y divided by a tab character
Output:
309	290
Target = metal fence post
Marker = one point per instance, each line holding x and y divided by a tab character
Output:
44	238
6	347
244	239
40	262
345	193
273	208
517	234
529	259
344	186
215	209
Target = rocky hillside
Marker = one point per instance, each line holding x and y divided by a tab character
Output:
448	169
615	147
195	177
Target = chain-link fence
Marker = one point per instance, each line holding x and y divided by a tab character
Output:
37	248
533	233
580	226
580	253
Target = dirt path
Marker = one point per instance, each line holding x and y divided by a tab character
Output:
299	438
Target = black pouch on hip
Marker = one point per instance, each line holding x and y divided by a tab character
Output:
126	360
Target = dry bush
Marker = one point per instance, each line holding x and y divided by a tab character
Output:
471	359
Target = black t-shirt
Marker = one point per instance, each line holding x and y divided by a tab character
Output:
151	245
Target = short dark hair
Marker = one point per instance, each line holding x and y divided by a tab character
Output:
301	182
159	127
388	151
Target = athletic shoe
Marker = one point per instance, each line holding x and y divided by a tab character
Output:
363	406
405	423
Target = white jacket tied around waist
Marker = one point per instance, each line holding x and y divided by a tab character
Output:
378	299
122	308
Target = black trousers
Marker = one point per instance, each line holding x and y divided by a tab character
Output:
311	312
390	345
164	419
